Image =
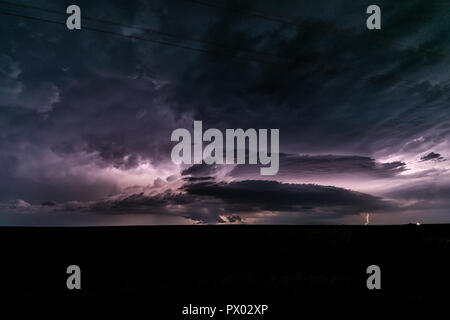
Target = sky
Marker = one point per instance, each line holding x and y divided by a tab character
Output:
86	115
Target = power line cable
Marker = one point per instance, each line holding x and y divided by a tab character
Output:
118	34
151	30
370	74
291	59
293	21
254	13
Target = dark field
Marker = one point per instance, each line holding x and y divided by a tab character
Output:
277	265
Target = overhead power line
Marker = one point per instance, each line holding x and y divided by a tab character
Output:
154	31
255	13
296	21
372	77
118	34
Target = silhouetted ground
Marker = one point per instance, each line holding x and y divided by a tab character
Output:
283	266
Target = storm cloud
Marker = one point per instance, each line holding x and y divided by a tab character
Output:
86	117
293	166
432	156
208	202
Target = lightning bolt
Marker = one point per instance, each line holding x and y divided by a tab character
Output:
367	219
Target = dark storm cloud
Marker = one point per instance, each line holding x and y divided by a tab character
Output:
74	103
295	166
236	199
317	97
430	200
196	179
423	191
207	201
298	166
140	201
202	169
252	195
342	93
234	218
432	156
